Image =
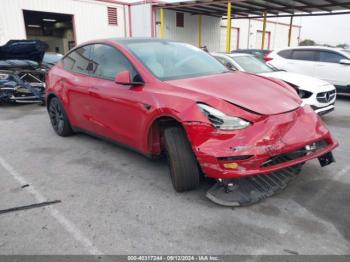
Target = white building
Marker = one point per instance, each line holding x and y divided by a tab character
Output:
62	23
245	33
66	23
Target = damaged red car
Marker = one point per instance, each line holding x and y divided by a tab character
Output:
250	133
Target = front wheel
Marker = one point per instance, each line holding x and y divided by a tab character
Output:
182	162
58	118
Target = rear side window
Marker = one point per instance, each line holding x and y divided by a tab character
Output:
330	57
285	53
78	60
108	61
306	55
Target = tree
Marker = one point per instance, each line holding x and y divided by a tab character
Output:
307	42
344	46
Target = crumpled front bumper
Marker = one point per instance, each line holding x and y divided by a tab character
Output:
240	153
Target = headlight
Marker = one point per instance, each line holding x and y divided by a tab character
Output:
304	94
222	121
4	76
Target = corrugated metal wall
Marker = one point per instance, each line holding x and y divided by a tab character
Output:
251	38
90	21
141	20
90	18
214	32
189	33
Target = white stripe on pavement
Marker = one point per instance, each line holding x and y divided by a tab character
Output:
61	219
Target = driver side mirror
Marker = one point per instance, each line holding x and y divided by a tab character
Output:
344	61
124	78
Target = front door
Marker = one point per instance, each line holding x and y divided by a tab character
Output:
119	111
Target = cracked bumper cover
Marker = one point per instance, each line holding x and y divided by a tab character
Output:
252	147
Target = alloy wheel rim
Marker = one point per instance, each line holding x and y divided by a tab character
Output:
56	116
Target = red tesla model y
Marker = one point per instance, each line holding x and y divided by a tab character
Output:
161	96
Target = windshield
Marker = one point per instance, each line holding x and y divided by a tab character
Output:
173	60
251	64
52	58
347	52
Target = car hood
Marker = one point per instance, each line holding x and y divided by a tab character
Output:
252	92
33	50
307	83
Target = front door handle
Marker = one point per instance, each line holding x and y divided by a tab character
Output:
93	91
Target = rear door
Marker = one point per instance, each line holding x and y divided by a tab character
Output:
76	83
302	61
330	69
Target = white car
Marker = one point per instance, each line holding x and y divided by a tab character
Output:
329	64
320	95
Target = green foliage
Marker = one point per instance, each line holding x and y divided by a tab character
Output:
344	46
307	42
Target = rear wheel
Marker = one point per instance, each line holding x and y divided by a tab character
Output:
182	162
58	118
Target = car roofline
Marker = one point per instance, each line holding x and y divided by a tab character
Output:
310	47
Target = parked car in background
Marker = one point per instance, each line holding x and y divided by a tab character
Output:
51	58
22	76
319	94
258	53
329	64
159	96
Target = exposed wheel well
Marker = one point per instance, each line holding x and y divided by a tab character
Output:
156	131
50	96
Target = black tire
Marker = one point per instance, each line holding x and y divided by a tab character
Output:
58	118
184	171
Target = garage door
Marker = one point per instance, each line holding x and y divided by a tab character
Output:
53	28
234	38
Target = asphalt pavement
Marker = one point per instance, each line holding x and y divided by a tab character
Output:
115	201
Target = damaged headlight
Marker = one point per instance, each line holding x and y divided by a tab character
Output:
4	76
222	121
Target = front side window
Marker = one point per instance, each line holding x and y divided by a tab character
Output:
78	60
306	55
108	61
330	57
169	60
251	64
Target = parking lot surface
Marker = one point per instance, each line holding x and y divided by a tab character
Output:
115	201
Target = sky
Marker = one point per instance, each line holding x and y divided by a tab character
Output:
331	30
